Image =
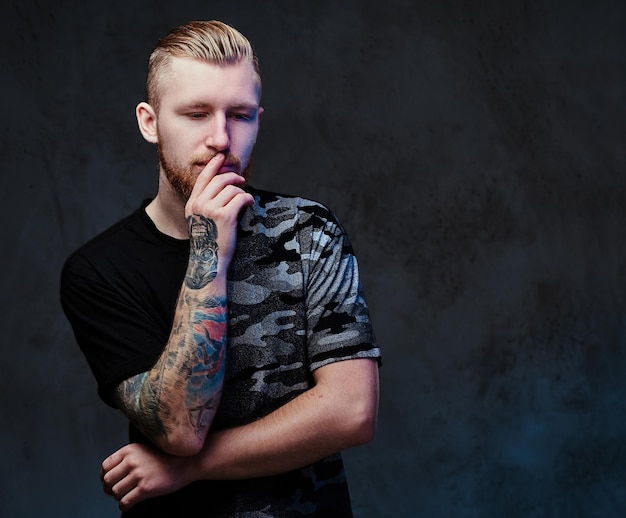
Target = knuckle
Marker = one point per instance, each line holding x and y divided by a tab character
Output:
144	487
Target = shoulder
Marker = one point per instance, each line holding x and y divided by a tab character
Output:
108	246
302	211
103	238
274	199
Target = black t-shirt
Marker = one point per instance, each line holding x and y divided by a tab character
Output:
294	304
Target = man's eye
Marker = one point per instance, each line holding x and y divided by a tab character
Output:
241	116
197	115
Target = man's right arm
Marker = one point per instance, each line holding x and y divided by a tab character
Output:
174	403
339	412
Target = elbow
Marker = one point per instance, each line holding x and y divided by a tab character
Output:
361	425
180	435
184	449
181	445
364	429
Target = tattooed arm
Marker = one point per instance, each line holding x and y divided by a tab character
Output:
174	403
339	412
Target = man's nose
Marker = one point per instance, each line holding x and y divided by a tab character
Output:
218	137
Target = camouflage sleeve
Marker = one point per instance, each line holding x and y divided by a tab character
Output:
339	325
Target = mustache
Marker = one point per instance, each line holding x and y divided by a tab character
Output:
229	158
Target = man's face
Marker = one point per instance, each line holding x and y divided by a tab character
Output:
206	109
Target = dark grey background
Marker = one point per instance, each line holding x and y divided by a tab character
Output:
474	151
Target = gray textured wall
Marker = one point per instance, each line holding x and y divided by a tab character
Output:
474	151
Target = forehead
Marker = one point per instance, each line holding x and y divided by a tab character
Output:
188	79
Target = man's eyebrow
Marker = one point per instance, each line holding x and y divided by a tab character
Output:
236	106
252	106
244	106
196	104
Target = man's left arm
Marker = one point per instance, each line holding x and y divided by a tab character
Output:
338	412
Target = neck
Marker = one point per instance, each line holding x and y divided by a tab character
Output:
167	211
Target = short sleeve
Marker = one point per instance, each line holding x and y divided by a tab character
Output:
117	336
339	325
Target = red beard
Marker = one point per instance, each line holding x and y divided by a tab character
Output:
184	178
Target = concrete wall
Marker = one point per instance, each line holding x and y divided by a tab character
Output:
474	151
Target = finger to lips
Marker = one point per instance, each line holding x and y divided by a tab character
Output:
207	174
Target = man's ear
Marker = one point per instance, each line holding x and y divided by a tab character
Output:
147	121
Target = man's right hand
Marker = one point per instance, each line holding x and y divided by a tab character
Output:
213	209
175	402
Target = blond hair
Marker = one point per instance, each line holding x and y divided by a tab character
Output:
213	42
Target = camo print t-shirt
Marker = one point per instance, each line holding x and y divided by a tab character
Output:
295	304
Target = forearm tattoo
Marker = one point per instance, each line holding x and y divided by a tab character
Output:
143	411
194	358
202	251
206	369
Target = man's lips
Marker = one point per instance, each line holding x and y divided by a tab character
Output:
228	168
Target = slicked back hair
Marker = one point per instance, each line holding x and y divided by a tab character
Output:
213	42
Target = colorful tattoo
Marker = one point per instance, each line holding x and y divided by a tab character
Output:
194	357
207	374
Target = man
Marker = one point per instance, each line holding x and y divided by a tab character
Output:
227	323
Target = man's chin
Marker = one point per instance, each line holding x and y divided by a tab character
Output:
182	189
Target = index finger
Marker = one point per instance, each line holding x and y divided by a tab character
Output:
207	174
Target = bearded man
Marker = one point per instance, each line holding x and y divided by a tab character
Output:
227	323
